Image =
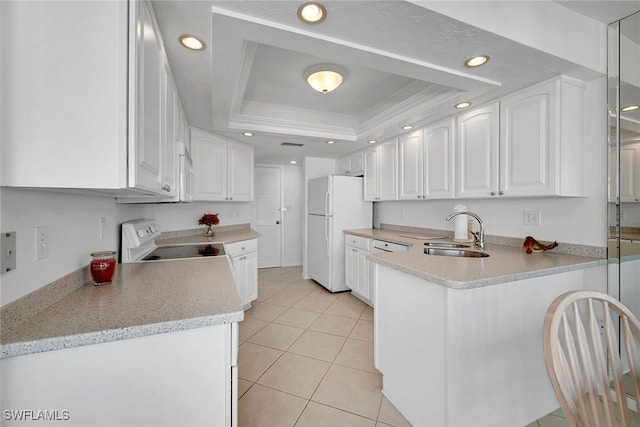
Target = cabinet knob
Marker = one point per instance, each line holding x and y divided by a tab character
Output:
230	198
502	193
493	193
166	188
277	222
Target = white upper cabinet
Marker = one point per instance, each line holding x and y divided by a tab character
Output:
425	157
171	138
541	140
84	112
477	151
537	150
352	165
224	168
381	172
240	168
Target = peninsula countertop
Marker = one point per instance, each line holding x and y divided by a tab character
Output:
228	234
504	263
143	299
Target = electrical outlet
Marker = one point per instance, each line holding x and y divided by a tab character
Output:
42	242
103	226
531	217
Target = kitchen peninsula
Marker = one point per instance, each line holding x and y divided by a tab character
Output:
472	353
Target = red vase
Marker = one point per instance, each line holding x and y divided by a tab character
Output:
103	265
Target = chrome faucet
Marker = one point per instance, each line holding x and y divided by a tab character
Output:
478	236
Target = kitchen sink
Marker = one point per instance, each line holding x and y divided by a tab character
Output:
463	253
444	245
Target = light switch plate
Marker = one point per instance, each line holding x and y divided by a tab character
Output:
8	245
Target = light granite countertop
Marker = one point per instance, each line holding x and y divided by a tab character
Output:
143	299
505	263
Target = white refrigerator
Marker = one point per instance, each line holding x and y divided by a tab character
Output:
335	203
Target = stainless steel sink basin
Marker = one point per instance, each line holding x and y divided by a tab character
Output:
464	253
444	245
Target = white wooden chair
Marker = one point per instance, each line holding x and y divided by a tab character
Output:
585	362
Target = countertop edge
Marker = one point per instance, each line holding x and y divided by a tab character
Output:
109	335
487	281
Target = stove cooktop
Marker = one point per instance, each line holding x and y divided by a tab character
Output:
185	251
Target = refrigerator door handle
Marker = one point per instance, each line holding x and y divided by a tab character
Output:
326	234
326	203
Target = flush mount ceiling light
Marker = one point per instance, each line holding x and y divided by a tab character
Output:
191	42
371	141
325	77
630	108
331	142
247	133
477	61
406	127
462	105
293	162
312	12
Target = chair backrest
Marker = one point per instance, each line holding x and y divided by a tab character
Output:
585	361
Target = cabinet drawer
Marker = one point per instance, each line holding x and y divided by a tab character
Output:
357	241
381	245
239	248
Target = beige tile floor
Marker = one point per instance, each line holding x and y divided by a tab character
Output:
306	359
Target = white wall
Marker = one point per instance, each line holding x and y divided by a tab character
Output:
573	220
73	221
293	200
184	216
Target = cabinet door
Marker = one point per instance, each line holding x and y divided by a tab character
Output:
371	175
209	154
342	166
351	267
410	166
477	135
240	167
249	278
439	160
528	142
363	287
169	153
146	170
356	163
388	170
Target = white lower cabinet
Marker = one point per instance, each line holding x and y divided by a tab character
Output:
357	267
171	379
244	266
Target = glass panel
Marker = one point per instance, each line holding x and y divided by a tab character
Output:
624	161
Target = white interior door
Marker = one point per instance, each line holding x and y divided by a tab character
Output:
268	197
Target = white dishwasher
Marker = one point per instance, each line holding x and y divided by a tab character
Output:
378	247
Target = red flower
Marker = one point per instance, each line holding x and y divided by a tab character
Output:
209	219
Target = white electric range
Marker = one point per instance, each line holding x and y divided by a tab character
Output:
138	244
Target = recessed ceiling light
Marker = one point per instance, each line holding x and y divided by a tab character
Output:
247	133
324	77
477	61
331	142
630	108
371	141
462	105
407	127
293	162
312	12
191	42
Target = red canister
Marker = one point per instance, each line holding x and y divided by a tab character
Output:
103	264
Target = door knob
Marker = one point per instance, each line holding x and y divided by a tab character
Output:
278	222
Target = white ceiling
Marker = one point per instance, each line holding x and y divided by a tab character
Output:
404	65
